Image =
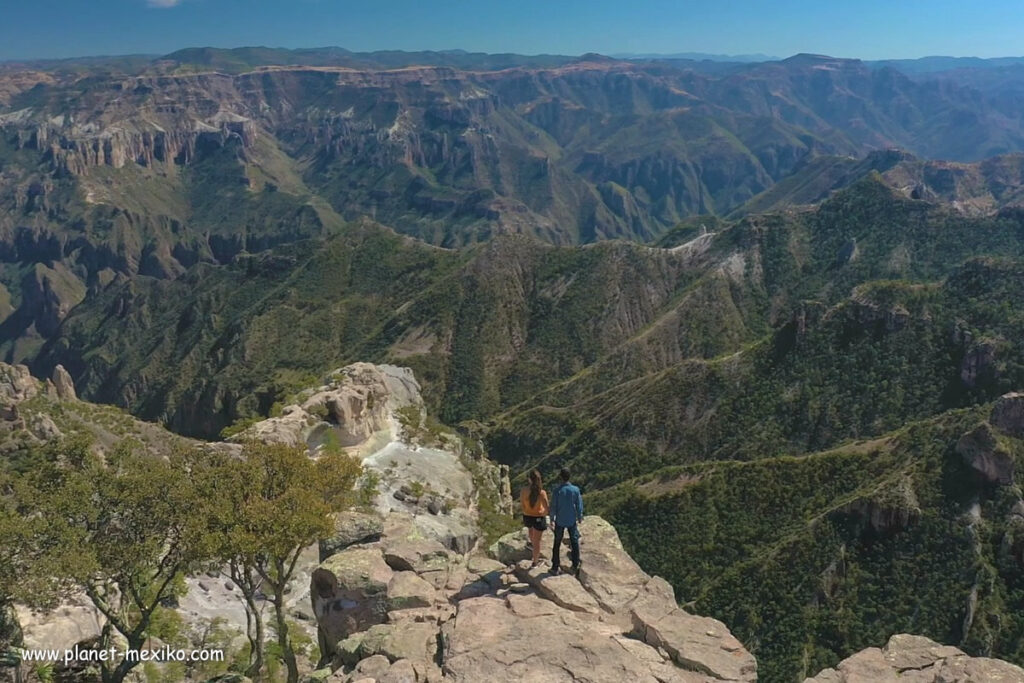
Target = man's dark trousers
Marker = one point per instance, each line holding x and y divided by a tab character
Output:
574	545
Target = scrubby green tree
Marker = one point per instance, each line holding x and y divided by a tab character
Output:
273	502
124	530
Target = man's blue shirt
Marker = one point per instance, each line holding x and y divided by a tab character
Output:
566	505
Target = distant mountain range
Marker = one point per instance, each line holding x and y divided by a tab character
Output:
242	58
124	167
697	56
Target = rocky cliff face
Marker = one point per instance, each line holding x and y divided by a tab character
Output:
577	152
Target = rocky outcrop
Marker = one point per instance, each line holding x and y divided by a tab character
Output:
408	604
76	147
75	620
983	452
49	294
63	384
888	510
1008	415
890	318
356	403
349	593
978	363
20	426
918	659
986	449
352	527
16	384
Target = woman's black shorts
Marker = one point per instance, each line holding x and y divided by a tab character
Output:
538	523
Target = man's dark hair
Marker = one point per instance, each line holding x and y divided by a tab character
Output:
564	474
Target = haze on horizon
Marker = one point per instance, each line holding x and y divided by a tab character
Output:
874	29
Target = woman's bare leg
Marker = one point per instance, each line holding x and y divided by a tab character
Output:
535	537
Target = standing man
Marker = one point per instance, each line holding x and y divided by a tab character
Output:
566	514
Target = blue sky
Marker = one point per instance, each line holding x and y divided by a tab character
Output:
869	29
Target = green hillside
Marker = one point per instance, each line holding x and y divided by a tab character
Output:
809	559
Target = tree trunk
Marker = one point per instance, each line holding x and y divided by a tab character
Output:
135	644
243	578
256	656
282	636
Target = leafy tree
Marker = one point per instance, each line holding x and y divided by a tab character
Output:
272	503
124	531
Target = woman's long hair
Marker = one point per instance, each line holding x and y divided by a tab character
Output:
536	486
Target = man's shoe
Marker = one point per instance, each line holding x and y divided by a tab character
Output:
576	571
554	571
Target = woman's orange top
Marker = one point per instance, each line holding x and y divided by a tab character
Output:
538	510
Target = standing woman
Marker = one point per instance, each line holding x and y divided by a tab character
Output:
535	512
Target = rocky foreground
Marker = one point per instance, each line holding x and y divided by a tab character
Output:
405	608
408	590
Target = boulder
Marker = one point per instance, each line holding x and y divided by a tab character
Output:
374	666
918	660
16	384
404	640
407	590
478	564
563	590
63	384
416	555
401	671
350	528
412	671
1008	415
346	652
75	620
514	547
983	451
349	594
43	427
531	605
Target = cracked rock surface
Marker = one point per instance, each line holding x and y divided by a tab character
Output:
473	618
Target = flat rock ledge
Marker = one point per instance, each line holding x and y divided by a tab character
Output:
396	608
